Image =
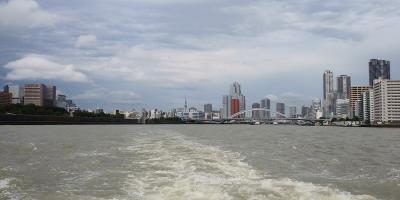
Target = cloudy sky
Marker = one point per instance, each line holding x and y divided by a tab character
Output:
152	53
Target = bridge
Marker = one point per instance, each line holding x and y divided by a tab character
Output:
236	115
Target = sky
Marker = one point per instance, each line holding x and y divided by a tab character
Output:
133	54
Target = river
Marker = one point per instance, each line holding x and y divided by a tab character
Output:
198	162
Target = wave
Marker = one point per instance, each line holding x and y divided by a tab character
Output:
169	166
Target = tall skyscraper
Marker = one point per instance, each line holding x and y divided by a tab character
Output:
266	103
378	69
328	94
292	111
226	106
280	110
343	86
256	114
234	102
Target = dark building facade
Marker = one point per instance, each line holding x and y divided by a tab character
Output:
378	69
256	114
208	108
266	103
343	86
280	110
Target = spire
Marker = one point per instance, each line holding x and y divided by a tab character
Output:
185	105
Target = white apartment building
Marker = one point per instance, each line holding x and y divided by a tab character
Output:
386	101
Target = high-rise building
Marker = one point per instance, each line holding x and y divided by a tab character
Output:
293	112
328	94
34	94
256	114
208	108
50	96
355	96
280	110
306	111
386	101
40	95
266	103
226	106
343	86
378	69
234	102
235	105
316	104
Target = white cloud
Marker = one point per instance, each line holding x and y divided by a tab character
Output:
117	96
25	13
36	67
86	41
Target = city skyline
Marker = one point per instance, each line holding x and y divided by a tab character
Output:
148	54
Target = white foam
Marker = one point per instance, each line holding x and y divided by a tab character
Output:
4	183
172	167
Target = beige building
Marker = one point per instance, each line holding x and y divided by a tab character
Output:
39	94
386	101
356	95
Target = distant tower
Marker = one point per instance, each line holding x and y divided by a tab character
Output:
343	86
185	105
378	69
328	94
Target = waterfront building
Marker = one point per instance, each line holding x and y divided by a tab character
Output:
316	104
61	101
292	112
306	111
50	96
342	108
5	98
256	114
328	94
266	103
355	96
208	112
208	108
386	101
367	105
378	69
343	86
234	102
17	93
98	110
40	94
280	110
34	94
226	106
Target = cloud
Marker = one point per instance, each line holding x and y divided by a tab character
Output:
109	96
38	67
25	13
86	41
